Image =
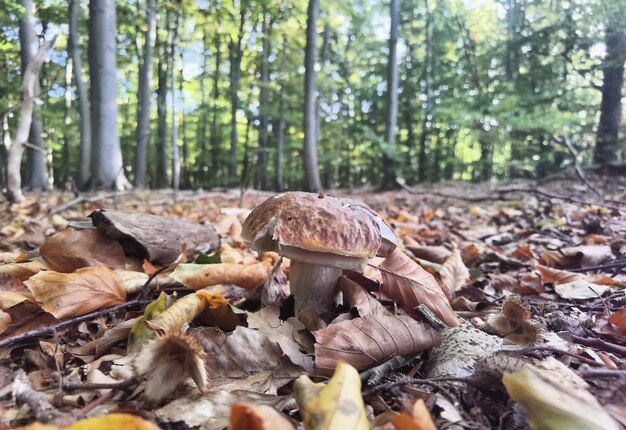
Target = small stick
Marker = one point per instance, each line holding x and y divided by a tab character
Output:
101	386
430	318
559	351
600	344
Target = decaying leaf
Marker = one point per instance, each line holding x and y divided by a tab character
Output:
182	312
71	249
335	405
419	419
355	296
514	323
453	272
166	361
578	256
556	398
257	417
198	276
619	319
5	321
23	270
67	295
409	284
571	285
140	334
366	341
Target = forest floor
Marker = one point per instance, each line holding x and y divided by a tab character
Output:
535	274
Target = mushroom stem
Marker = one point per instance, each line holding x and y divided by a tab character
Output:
313	286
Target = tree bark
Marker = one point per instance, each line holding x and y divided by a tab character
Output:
67	141
106	165
16	149
607	139
389	175
84	116
426	120
161	173
311	173
215	131
38	175
280	138
236	54
172	67
144	96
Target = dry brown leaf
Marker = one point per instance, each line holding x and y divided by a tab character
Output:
589	255
5	321
406	282
366	341
453	272
228	254
198	276
72	249
182	312
24	270
435	254
355	296
67	295
556	276
419	419
514	323
619	319
257	417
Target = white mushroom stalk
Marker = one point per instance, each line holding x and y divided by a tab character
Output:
313	286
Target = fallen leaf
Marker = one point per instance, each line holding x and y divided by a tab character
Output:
366	341
24	270
409	284
114	421
514	324
182	312
419	419
101	345
5	321
580	289
619	319
355	296
335	405
140	334
453	272
71	249
198	276
436	254
556	398
67	295
230	255
257	417
589	255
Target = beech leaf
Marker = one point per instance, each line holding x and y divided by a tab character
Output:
66	295
336	405
453	272
257	417
183	311
72	249
419	419
366	341
198	276
406	282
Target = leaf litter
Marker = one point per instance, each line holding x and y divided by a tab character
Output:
102	323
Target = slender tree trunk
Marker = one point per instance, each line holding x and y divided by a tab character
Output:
201	137
215	131
185	172
280	138
38	176
107	166
67	141
389	174
323	61
236	54
311	173
607	140
264	102
84	115
161	173
144	96
172	69
426	120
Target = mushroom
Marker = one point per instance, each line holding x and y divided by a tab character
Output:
322	235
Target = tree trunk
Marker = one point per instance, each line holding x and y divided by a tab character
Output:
161	173
106	165
607	139
236	54
66	161
144	96
311	173
264	102
389	175
426	120
16	149
185	171
323	60
280	138
84	116
172	67
215	131
38	176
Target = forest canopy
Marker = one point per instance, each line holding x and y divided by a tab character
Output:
308	94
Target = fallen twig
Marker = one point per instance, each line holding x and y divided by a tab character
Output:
600	344
38	402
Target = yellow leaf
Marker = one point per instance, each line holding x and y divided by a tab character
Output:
182	312
420	419
336	405
67	295
140	334
556	398
114	422
198	276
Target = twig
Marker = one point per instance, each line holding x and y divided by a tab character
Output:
559	351
89	199
430	318
34	147
602	373
614	265
32	335
600	344
38	402
565	141
101	386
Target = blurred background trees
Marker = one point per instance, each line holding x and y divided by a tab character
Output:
240	92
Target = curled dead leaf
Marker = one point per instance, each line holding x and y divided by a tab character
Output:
198	276
406	282
419	418
355	296
454	274
71	249
67	295
182	312
366	341
257	417
514	323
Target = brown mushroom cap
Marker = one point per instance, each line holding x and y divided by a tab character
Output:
319	229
